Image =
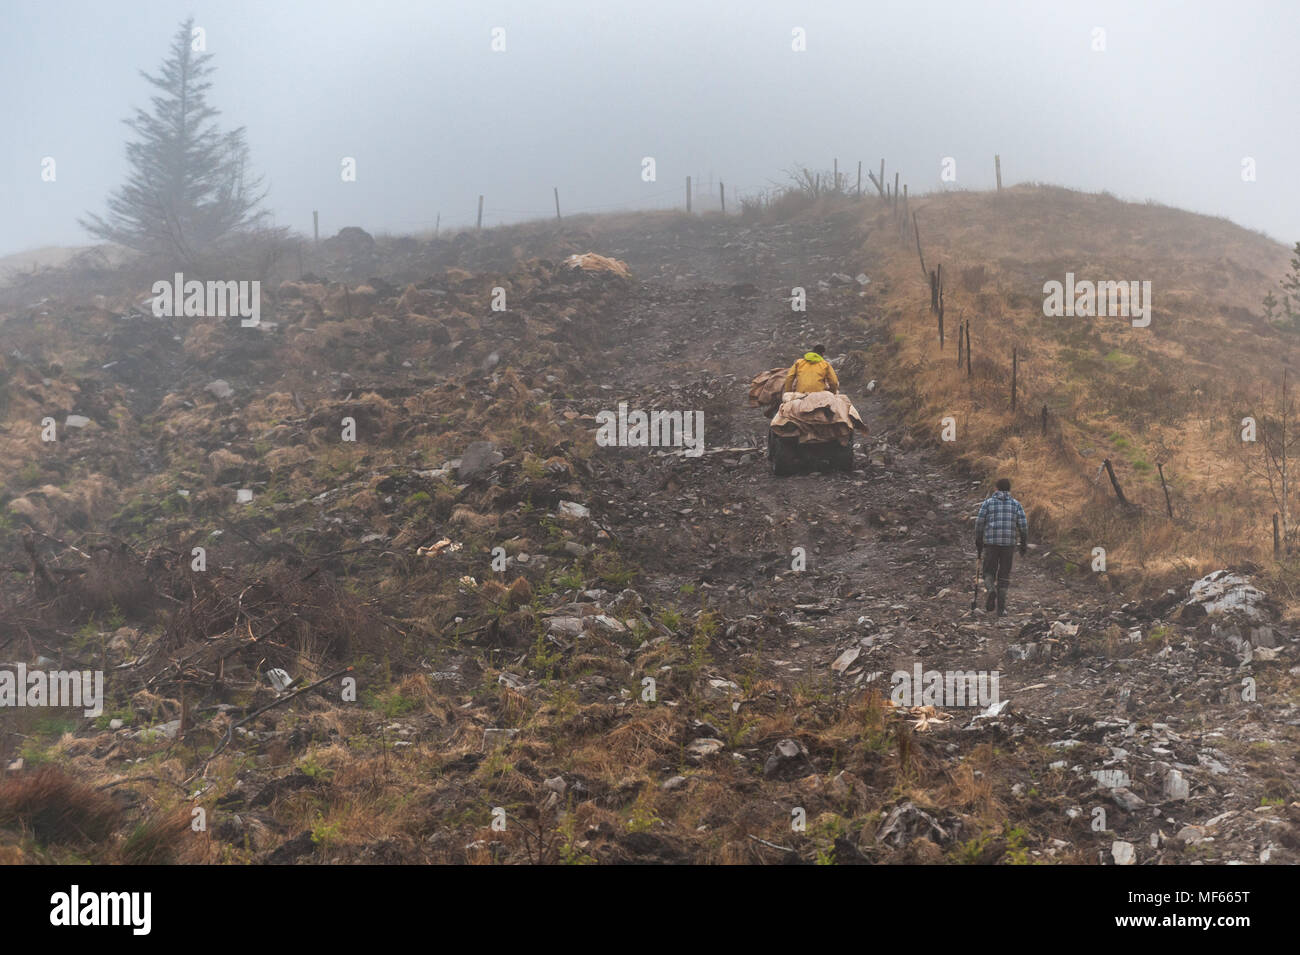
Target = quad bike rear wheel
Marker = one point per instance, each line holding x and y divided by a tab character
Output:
842	457
782	453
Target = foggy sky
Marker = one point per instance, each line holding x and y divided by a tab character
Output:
584	90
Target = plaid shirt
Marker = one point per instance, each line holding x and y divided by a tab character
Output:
1000	517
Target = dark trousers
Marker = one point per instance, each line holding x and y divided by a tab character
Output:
997	564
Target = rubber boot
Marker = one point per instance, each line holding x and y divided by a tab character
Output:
990	583
1002	601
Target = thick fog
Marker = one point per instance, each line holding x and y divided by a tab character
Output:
1166	104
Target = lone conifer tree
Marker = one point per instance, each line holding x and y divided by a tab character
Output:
187	186
1291	289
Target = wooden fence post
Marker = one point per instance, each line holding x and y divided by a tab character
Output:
1015	369
1114	482
315	226
1168	507
480	213
940	314
917	229
997	166
557	204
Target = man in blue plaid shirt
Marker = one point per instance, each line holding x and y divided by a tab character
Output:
1000	521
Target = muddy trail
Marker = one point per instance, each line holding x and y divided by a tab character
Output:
1128	721
503	587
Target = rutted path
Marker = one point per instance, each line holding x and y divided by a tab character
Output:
898	527
890	562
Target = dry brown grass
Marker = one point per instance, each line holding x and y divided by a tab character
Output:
166	838
1168	394
969	792
631	748
55	808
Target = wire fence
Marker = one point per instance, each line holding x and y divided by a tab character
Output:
705	196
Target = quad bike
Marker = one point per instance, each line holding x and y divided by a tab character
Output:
805	432
788	455
813	433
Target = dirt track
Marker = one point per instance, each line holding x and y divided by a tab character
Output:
895	532
890	560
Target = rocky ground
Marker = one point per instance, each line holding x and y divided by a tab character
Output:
652	675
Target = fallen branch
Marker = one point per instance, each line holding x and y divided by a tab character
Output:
61	571
771	845
142	779
64	543
258	712
38	567
685	452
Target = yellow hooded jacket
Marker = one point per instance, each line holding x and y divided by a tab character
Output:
811	373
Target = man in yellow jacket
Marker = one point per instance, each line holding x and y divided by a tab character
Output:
811	373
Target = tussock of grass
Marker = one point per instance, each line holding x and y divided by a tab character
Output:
55	808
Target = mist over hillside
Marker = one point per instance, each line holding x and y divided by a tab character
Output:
563	434
439	103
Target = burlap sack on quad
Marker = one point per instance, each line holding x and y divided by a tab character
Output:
765	390
819	417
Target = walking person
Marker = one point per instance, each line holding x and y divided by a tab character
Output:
1001	520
